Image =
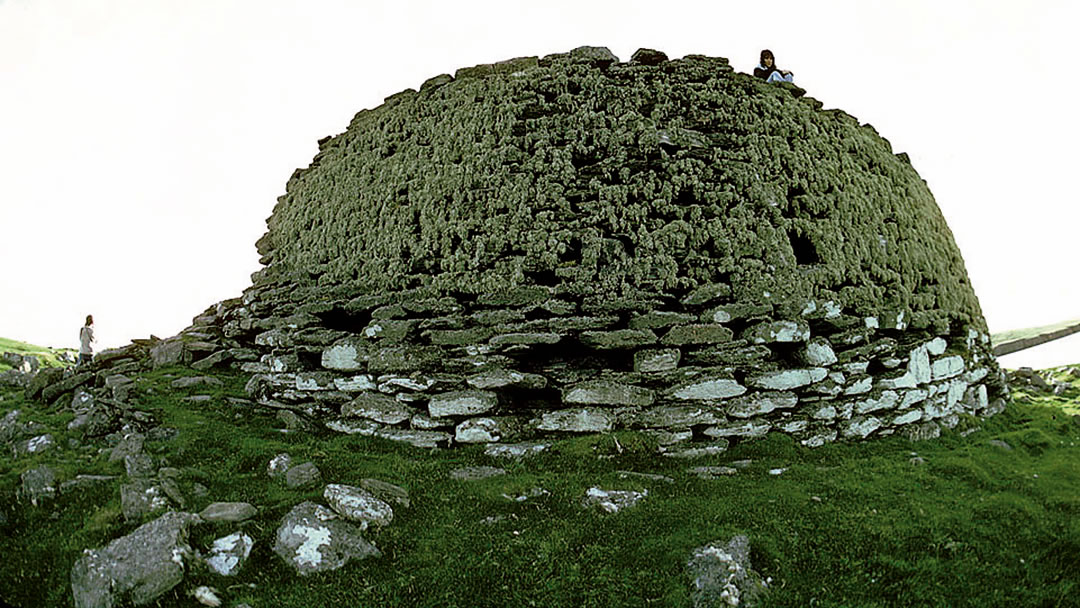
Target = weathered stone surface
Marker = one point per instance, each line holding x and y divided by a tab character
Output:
660	319
699	333
228	512
721	575
708	389
604	392
34	445
378	407
612	501
817	353
351	354
616	339
886	400
525	338
303	475
758	404
358	505
419	439
501	378
140	497
38	485
312	539
749	428
859	427
279	465
228	554
778	331
516	450
788	379
678	416
462	403
478	430
138	568
922	432
583	420
193	381
656	360
476	473
354	384
946	367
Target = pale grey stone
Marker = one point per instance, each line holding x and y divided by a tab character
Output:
617	339
422	422
228	554
922	432
644	476
860	427
721	575
824	413
656	360
362	427
794	426
38	485
584	420
348	355
136	568
860	386
936	346
855	367
819	439
228	512
678	416
976	375
788	379
315	381
500	378
919	365
391	384
419	439
709	389
778	331
302	475
612	501
750	428
910	398
713	472
817	353
358	505
190	381
462	403
378	407
604	392
311	538
907	418
886	400
516	450
699	451
279	465
667	438
947	367
478	430
354	384
476	473
757	404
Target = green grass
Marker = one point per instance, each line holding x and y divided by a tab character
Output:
47	356
844	525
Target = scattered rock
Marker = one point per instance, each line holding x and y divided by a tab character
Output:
303	476
140	497
713	472
312	539
38	485
475	473
139	567
644	476
613	501
998	443
206	596
515	450
228	554
722	576
279	466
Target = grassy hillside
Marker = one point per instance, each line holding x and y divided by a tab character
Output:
957	521
47	356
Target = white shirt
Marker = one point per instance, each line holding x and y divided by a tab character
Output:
86	340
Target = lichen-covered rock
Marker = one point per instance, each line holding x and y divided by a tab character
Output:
311	538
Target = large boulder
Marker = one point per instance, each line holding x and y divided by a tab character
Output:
311	538
137	568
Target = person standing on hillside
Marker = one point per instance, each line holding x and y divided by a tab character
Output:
86	342
768	71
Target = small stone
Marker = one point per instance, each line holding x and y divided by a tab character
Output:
613	501
515	450
713	472
1001	445
602	392
476	473
279	465
302	476
312	539
228	554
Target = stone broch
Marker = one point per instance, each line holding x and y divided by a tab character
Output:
557	245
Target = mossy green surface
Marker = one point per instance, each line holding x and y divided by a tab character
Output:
617	180
843	525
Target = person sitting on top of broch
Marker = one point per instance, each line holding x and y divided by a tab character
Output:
768	71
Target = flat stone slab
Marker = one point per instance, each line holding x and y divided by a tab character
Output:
515	450
605	392
612	501
584	420
476	473
709	389
462	403
358	505
312	538
378	407
788	379
617	339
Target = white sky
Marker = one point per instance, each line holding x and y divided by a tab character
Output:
144	142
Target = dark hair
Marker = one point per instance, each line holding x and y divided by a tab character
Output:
767	53
89	319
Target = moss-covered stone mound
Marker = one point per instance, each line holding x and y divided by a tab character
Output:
604	241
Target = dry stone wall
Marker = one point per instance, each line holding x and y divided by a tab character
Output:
572	244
